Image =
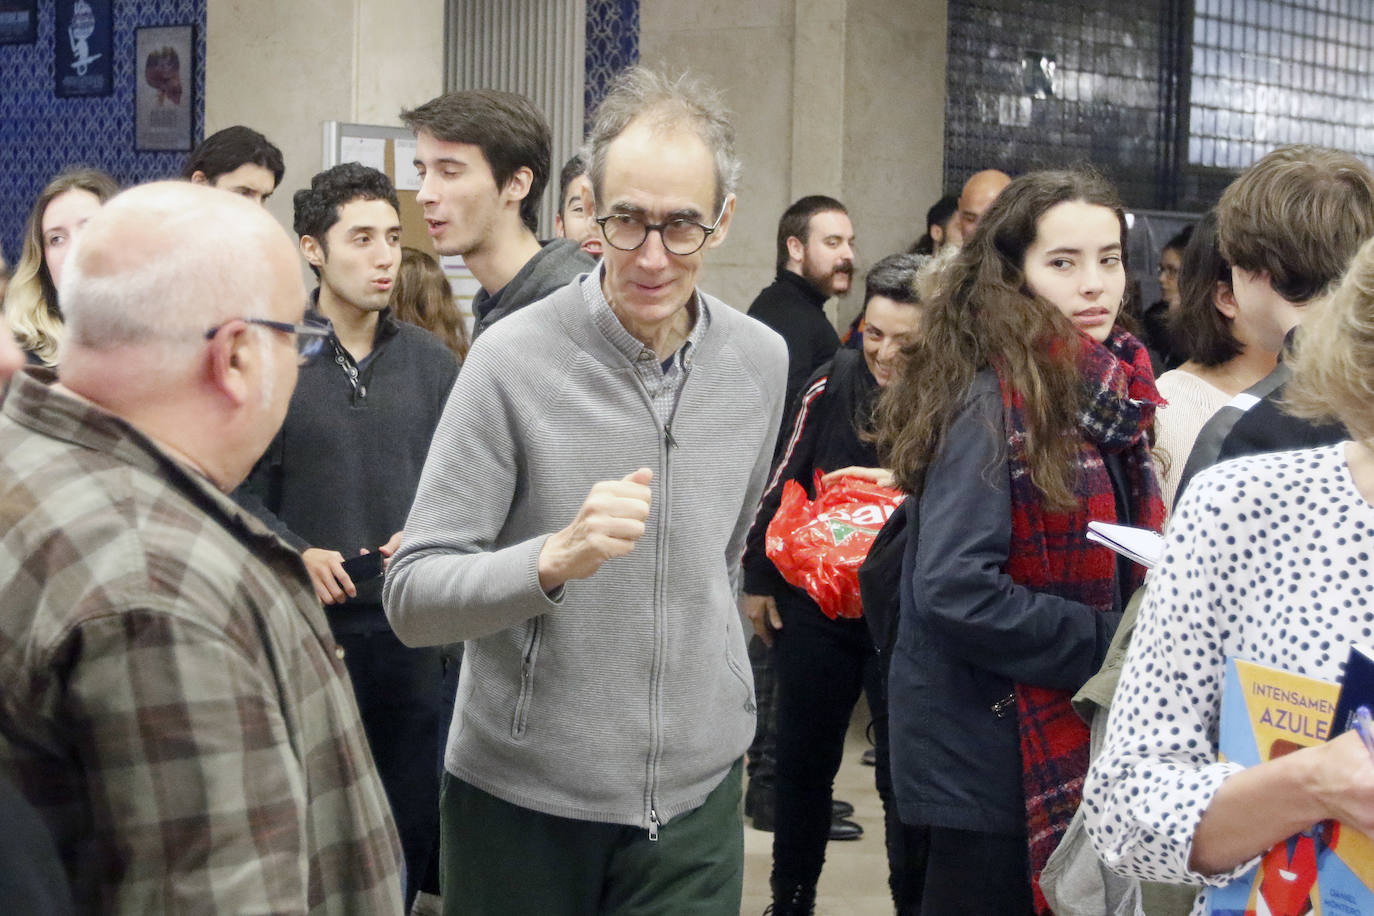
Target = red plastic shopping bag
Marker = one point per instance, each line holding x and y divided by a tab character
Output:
818	545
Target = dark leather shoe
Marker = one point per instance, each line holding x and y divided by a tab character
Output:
841	829
841	808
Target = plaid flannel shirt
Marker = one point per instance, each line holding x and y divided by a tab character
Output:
171	700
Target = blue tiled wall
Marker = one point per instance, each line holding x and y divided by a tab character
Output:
40	133
612	45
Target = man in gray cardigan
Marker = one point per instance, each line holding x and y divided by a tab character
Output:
580	523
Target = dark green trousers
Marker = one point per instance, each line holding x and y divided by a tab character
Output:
500	859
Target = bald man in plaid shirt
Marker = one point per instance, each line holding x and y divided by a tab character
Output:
171	701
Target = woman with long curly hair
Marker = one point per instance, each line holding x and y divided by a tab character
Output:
1023	413
62	208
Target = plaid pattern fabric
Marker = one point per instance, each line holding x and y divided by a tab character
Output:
662	386
172	702
1050	552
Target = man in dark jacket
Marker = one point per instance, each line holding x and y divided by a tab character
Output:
339	478
484	158
815	262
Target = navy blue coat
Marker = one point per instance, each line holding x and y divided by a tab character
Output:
968	633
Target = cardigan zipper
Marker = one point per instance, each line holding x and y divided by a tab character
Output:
660	597
660	638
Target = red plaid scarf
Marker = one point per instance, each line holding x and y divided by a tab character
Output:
1050	553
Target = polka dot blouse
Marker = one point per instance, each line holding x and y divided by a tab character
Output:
1266	558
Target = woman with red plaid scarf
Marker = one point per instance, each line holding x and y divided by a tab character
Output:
1023	413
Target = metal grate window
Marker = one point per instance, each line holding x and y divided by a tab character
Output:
1049	83
1270	72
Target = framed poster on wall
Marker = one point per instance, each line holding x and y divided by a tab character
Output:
164	88
18	22
83	45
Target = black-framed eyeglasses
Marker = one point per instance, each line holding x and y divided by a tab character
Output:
310	336
680	236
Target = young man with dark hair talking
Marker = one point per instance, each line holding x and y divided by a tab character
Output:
484	158
337	481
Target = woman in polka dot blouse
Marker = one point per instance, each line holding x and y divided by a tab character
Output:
1267	558
1022	415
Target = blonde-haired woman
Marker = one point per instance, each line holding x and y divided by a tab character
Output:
62	208
1267	559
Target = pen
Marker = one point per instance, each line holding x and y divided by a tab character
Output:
1364	724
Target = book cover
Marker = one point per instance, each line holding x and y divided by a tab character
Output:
1325	871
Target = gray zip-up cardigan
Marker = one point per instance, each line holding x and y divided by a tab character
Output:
626	699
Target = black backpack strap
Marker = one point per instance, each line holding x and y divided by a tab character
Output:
881	573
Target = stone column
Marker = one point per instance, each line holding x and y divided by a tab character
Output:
839	97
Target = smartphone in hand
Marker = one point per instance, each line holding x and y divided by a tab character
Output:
364	567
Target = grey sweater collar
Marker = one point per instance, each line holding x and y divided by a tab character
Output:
630	346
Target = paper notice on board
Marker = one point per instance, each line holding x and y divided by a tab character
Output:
368	151
407	178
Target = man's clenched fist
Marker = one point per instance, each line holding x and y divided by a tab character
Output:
608	524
